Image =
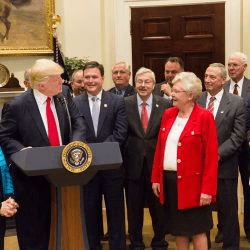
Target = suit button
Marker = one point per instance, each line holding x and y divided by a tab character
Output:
163	129
179	177
179	144
179	161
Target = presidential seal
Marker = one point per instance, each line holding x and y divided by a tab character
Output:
76	157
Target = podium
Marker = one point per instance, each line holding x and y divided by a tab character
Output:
67	214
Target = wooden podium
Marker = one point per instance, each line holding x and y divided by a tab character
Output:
68	230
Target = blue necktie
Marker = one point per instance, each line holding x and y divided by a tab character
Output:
95	113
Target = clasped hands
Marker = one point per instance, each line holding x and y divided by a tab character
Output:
9	207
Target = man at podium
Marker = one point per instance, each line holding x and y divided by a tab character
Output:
37	118
105	118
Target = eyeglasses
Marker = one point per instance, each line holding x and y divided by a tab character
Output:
177	91
146	82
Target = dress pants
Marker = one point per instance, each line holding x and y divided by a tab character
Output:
137	191
2	231
227	204
244	174
33	195
110	184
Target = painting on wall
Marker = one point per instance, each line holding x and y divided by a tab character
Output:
26	27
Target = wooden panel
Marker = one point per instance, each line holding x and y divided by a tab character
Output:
156	28
196	33
197	27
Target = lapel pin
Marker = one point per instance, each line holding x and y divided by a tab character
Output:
163	129
222	111
192	133
105	105
157	106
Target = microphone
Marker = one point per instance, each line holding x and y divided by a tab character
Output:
64	102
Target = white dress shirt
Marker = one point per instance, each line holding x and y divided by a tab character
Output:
41	103
216	101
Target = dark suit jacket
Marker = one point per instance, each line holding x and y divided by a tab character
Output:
130	90
230	122
157	89
245	88
22	126
112	125
139	143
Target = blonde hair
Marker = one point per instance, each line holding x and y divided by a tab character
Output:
42	69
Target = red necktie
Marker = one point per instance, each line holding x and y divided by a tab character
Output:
235	92
144	117
210	106
52	129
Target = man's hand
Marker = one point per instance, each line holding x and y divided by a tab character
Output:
156	189
166	89
9	208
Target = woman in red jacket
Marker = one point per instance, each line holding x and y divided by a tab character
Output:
185	167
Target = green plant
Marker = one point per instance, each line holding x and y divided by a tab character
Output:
74	63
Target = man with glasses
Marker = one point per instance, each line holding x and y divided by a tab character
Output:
144	111
240	85
120	76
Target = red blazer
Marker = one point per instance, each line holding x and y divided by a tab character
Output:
197	157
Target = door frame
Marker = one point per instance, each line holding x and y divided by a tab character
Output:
123	12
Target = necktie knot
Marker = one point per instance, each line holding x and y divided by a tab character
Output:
94	98
235	92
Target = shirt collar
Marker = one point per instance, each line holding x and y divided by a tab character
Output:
99	96
40	97
148	102
239	83
218	96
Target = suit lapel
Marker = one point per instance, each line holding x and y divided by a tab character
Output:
87	113
154	114
103	110
60	116
36	116
203	100
223	107
245	88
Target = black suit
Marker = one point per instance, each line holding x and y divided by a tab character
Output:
22	126
230	122
128	91
112	126
244	160
138	159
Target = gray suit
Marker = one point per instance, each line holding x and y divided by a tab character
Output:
243	161
230	122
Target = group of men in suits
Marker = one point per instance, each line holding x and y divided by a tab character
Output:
130	116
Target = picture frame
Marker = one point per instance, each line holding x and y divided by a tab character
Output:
26	27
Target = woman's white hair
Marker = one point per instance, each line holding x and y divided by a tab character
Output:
190	83
42	69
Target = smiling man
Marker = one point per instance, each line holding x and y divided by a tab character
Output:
144	111
230	118
106	122
120	76
240	85
37	118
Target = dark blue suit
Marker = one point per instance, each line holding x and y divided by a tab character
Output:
112	126
22	126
